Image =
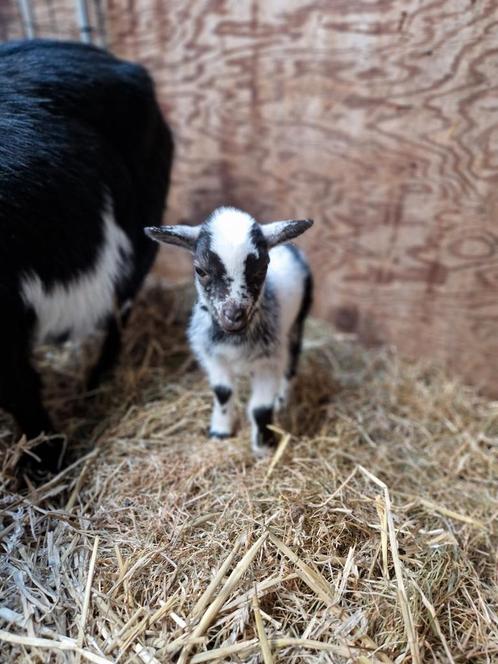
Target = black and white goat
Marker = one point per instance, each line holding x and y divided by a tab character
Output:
85	160
253	298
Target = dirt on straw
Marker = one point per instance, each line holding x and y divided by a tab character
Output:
370	537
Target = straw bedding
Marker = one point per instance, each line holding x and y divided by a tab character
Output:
370	536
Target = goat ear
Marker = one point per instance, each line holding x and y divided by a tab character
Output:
282	231
181	236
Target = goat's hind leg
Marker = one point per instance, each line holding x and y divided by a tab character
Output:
110	350
288	378
295	345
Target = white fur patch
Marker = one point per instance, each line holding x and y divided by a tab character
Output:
231	239
79	305
286	276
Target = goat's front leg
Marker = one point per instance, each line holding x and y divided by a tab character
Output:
265	384
20	394
222	384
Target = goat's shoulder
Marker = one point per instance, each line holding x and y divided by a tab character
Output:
287	275
287	270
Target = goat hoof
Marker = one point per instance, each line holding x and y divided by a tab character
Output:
265	443
262	451
267	438
44	459
264	448
219	435
95	379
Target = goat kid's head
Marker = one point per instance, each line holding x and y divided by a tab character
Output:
231	257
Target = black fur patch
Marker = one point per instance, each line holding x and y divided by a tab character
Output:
255	269
258	239
218	283
296	334
222	393
61	338
256	265
307	300
263	417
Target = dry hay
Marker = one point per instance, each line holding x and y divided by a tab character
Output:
370	537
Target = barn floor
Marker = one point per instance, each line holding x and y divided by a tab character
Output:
371	536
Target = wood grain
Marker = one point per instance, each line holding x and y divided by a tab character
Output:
56	19
378	119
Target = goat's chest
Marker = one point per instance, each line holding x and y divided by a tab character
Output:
240	357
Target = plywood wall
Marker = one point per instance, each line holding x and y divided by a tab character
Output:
50	18
377	118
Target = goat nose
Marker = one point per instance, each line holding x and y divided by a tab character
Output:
237	315
234	313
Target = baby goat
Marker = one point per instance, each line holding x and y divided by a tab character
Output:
253	299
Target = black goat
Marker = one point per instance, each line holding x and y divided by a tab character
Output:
85	161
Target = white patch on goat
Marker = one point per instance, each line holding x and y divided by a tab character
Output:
231	240
81	304
286	278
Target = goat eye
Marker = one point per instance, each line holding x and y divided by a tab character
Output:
202	273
